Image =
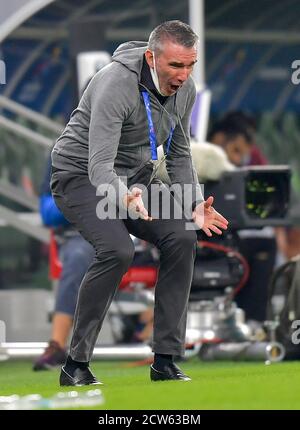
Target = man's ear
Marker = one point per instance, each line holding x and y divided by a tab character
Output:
149	58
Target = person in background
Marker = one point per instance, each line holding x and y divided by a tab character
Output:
234	138
248	123
235	133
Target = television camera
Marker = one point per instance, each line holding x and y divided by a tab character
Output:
250	198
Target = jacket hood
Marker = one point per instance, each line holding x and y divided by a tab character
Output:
130	54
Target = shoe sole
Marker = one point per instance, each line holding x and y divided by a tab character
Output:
79	385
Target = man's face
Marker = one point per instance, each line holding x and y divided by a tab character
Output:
238	150
174	64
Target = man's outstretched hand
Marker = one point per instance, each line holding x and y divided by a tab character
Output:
208	219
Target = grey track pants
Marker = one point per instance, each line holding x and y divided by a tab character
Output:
114	250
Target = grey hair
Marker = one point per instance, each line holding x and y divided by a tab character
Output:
175	31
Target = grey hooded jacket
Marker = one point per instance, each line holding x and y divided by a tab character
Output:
107	136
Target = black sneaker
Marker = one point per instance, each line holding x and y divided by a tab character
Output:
169	372
80	377
52	358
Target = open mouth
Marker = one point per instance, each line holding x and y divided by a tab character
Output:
175	87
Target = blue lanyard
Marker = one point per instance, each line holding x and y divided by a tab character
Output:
152	134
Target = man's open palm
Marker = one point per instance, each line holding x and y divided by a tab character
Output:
208	219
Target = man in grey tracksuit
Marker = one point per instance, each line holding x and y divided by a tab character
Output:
109	140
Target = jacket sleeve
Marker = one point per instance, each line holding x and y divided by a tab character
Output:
51	215
110	105
179	161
